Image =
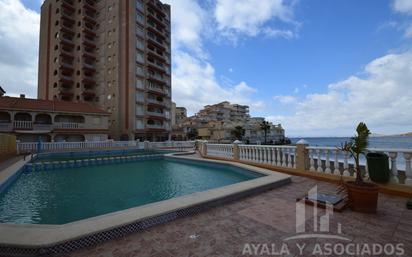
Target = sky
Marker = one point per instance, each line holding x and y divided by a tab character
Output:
317	67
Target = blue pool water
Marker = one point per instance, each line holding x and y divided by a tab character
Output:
66	195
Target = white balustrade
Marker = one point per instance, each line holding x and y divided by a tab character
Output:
32	147
22	124
281	156
220	150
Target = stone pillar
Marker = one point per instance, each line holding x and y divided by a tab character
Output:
236	153
146	145
204	148
302	158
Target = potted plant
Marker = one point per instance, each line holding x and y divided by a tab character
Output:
363	196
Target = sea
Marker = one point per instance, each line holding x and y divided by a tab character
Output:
387	142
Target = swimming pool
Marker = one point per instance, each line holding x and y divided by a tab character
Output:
65	195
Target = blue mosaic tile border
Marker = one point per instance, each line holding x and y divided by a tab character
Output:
92	240
55	165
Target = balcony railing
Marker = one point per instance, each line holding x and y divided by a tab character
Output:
42	127
22	124
155	126
68	125
156	114
6	126
154	101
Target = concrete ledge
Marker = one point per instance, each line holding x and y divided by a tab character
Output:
32	239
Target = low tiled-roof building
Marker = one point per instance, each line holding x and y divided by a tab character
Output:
33	120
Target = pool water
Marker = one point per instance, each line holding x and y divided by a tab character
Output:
66	195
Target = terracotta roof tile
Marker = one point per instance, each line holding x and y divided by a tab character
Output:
17	103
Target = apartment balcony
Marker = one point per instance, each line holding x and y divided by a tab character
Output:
68	125
89	95
156	102
67	42
67	30
66	66
66	79
89	67
6	126
155	67
88	80
156	6
42	127
89	18
67	18
66	95
158	31
155	114
88	42
160	19
155	126
68	7
70	2
156	55
23	124
156	44
89	55
157	79
66	54
89	7
88	30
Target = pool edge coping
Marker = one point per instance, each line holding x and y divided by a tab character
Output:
44	236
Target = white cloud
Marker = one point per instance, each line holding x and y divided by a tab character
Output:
250	17
193	76
195	85
285	99
403	6
408	31
19	37
189	20
381	99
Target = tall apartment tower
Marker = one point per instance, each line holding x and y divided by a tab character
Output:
113	54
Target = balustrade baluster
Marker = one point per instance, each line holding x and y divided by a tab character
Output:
327	162
395	178
408	170
289	152
266	155
312	160
273	156
295	156
278	159
336	163
320	169
283	158
346	165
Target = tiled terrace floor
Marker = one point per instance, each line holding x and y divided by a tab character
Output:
267	218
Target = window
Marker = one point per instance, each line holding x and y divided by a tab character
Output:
139	18
139	83
139	44
139	58
139	71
